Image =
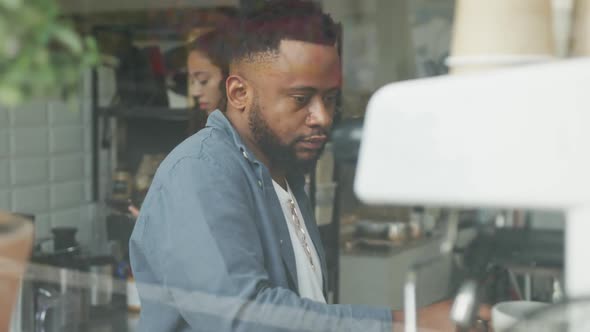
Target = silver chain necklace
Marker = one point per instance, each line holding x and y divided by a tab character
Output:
301	234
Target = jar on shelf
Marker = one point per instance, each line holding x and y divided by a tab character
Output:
122	185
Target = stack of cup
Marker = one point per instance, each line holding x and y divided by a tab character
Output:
500	33
581	29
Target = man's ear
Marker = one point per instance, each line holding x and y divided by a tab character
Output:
237	92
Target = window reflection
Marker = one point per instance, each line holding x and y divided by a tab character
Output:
84	166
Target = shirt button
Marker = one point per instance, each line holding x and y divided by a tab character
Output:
260	183
245	154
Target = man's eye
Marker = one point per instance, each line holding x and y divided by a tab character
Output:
301	100
204	82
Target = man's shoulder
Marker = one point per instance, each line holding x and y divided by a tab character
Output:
210	148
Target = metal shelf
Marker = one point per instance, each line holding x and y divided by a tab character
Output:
156	113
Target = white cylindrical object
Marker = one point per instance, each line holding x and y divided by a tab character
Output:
502	27
133	302
410	309
496	34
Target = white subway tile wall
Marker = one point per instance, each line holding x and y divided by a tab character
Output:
29	142
46	162
4	173
4	199
67	195
67	167
87	144
88	165
88	190
62	113
4	142
86	107
30	200
30	115
61	139
4	123
29	171
42	225
69	218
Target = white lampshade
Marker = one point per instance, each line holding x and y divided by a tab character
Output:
492	34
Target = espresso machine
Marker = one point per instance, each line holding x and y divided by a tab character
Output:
513	139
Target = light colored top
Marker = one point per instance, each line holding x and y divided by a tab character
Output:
309	279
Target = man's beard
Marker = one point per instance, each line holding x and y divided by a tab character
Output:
279	154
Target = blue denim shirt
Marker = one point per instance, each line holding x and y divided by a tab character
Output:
211	249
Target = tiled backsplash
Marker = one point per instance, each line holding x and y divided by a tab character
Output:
4	172
30	199
4	139
28	171
28	142
4	198
45	162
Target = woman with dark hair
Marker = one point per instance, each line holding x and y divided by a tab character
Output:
207	69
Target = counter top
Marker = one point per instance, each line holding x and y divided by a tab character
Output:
363	247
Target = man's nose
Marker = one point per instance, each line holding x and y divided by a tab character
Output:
320	115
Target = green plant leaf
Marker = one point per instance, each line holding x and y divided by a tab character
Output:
11	4
10	96
40	53
68	38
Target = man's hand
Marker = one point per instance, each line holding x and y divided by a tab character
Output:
435	317
133	210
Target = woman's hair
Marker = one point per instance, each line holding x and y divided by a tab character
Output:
212	45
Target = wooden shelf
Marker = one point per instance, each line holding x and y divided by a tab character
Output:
156	113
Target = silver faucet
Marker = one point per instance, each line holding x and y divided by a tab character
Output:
464	310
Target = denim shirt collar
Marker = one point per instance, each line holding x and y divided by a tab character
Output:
218	120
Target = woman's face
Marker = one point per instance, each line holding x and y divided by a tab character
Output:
204	79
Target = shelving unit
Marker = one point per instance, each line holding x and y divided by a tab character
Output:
133	127
128	132
153	113
145	130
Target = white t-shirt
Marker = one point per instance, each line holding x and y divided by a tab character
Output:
309	279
